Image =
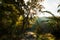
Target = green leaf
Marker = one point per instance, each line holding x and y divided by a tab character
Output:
58	10
59	5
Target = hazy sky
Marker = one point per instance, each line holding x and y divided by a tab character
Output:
50	5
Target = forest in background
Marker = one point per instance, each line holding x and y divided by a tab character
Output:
18	21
